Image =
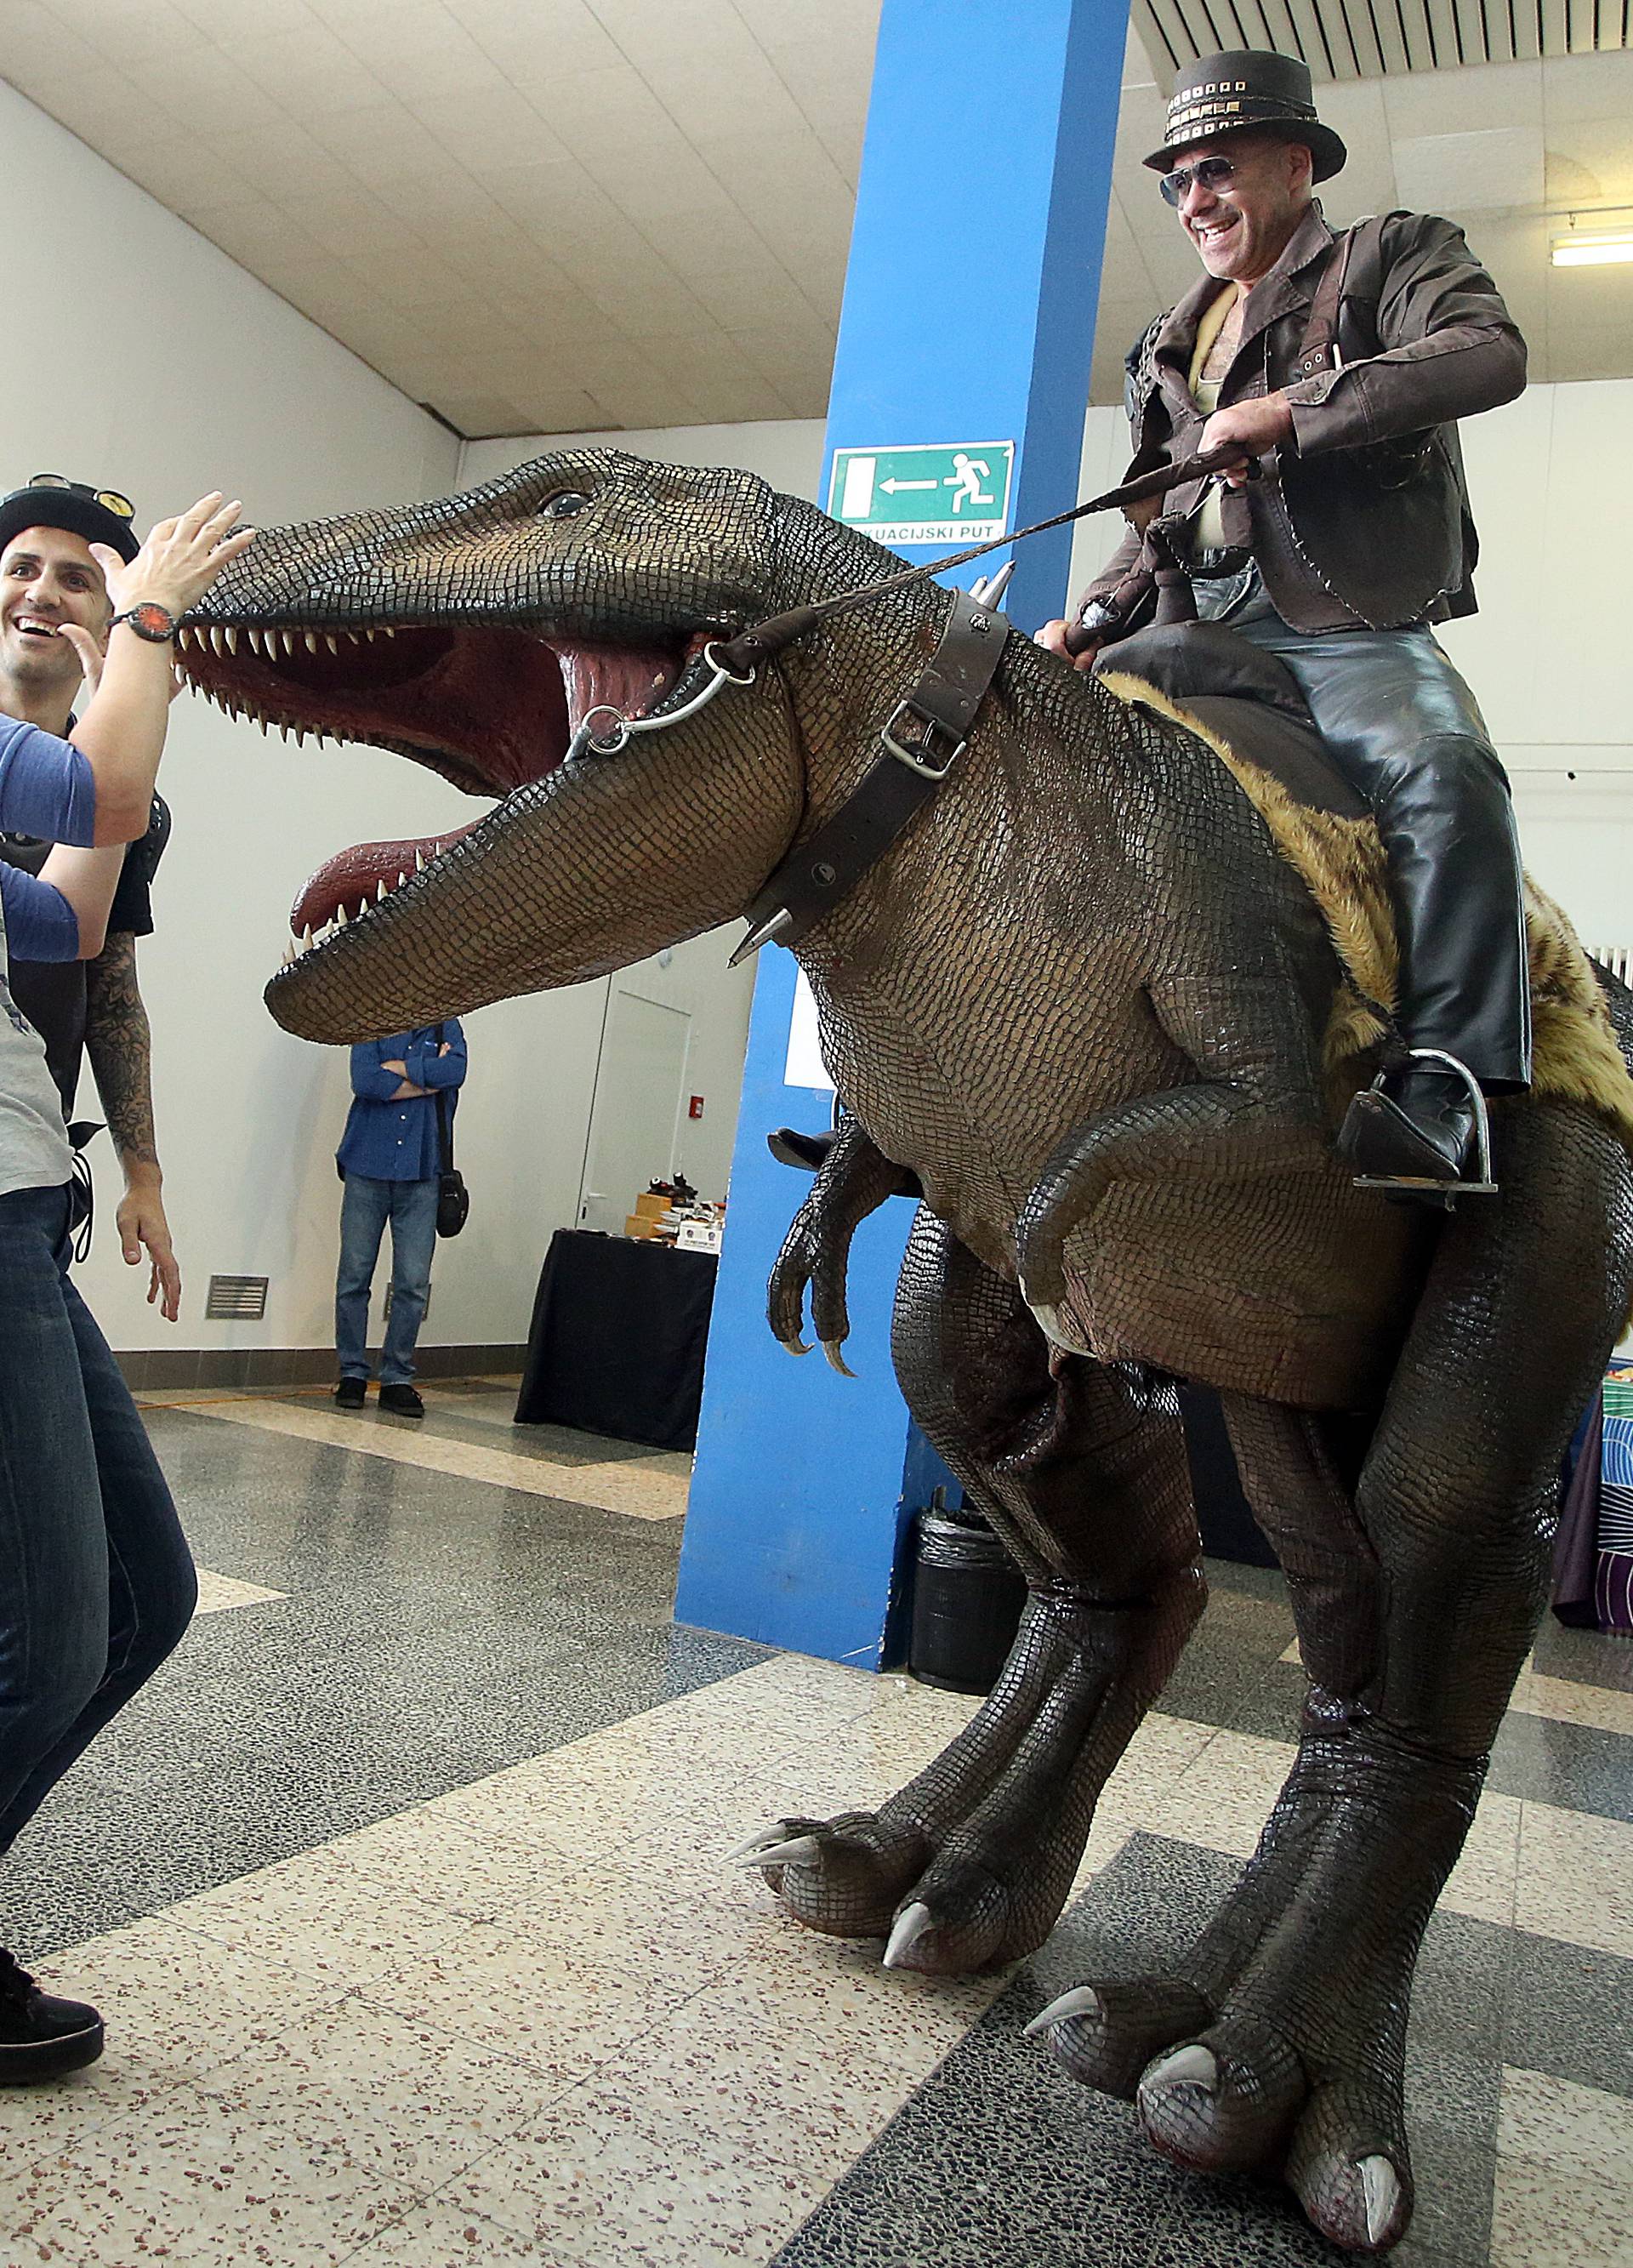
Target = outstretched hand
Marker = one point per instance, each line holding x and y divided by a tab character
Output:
181	559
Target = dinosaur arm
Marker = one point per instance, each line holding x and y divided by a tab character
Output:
854	1180
1251	1111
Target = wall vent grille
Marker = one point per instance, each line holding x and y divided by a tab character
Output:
1380	39
236	1298
1618	958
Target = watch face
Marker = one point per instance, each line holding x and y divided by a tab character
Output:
151	621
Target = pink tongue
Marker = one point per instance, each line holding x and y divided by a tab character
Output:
355	876
610	677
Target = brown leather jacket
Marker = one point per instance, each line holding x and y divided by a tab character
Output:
1368	523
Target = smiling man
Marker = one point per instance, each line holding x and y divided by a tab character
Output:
1351	358
50	584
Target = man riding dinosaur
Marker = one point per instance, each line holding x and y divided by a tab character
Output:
1352	357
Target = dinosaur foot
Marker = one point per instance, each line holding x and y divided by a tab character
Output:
1233	2093
844	1877
1278	2044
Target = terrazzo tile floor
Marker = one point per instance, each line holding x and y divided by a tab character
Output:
404	1891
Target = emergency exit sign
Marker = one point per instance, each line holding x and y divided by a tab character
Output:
924	492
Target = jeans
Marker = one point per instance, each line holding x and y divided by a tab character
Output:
1404	729
96	1581
366	1207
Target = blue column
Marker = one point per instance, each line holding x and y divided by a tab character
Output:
968	316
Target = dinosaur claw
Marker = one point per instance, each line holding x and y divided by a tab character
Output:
793	1346
1051	1322
1082	2001
1381	2186
1193	2065
762	1840
836	1360
911	1924
793	1850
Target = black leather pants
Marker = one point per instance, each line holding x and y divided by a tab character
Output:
1407	733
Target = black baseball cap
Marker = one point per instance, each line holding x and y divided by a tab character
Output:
100	515
1247	91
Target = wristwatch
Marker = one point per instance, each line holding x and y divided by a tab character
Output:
149	621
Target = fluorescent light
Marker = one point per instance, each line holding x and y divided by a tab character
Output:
1575	251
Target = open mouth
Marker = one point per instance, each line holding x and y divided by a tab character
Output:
491	709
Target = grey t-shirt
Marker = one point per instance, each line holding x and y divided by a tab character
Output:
47	788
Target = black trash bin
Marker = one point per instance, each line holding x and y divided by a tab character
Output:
967	1597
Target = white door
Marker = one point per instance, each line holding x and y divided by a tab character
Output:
640	1090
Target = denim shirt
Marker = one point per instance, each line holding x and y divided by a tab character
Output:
387	1141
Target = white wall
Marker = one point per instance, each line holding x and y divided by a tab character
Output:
142	357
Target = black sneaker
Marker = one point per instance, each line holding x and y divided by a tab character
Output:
351	1393
402	1402
41	2037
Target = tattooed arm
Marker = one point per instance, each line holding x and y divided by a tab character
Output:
119	1043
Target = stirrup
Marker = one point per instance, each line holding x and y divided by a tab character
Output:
1425	1188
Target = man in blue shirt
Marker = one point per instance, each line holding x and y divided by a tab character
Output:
389	1158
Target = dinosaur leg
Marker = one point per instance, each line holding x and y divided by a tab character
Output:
1416	1600
1082	1471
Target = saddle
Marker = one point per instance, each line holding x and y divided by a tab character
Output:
1244	704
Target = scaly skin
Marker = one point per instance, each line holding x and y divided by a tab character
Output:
1080	1000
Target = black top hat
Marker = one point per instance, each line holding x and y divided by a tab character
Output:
49	501
1250	89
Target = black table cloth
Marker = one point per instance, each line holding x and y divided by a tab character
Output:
616	1346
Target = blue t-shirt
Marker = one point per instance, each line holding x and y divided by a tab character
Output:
47	789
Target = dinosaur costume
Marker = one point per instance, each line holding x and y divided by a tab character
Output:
1086	1000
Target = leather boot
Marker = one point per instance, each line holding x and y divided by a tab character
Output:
1412	1134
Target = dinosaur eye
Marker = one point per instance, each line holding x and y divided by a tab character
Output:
563	504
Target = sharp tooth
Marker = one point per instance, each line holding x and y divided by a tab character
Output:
218	640
254	641
402	879
300	736
370	636
183	638
419	859
231	636
389	632
306	940
380	894
331	641
289	951
311	641
288	638
341	915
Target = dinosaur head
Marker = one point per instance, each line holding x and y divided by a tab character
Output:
473	635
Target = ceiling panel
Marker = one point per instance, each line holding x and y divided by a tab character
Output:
561	213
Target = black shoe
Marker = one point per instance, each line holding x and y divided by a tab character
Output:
1411	1136
808	1153
41	2037
351	1393
402	1402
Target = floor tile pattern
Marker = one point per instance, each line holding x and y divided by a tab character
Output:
404	1888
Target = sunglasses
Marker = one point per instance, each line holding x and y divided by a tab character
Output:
1211	173
110	499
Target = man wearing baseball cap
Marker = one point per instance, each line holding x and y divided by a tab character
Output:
1351	358
88	1005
